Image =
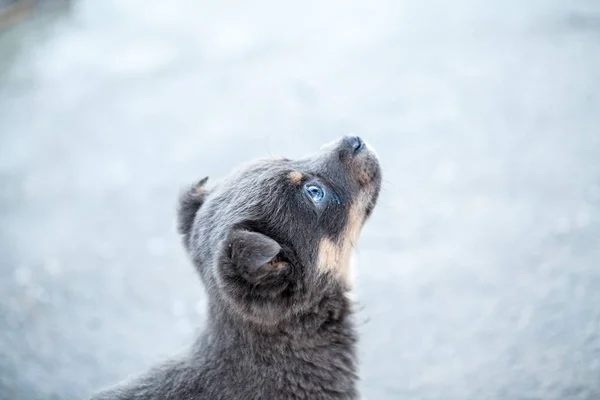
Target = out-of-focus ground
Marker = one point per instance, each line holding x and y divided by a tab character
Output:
479	273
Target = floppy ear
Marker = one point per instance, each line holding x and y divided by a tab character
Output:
253	254
190	202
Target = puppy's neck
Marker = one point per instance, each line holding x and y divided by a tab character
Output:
331	315
313	351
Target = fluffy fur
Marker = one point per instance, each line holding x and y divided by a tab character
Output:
271	244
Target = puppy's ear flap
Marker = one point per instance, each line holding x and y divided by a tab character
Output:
190	202
253	254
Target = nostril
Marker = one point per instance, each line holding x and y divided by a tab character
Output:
355	143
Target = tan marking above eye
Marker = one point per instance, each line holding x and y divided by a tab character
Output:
295	177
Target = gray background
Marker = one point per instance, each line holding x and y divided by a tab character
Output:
479	273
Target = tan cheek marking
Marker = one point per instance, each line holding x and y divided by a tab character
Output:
329	255
356	217
295	177
336	257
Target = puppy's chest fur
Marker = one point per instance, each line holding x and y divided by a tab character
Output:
292	363
312	358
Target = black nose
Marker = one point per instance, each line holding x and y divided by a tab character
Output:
355	143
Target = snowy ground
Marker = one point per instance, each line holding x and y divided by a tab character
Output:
479	273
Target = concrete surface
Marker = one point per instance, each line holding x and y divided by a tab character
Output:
478	275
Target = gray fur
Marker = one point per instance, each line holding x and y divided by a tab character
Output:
278	327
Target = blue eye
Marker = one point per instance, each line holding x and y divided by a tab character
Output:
316	193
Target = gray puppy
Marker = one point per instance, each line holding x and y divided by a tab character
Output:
272	244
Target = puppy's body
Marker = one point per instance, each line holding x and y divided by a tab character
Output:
272	246
232	361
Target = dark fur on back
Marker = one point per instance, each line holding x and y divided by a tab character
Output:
272	245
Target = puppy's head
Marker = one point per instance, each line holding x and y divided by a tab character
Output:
276	236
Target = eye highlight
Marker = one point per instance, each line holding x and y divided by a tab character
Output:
315	192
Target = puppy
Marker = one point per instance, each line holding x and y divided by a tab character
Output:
272	244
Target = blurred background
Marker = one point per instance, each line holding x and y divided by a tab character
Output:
479	272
